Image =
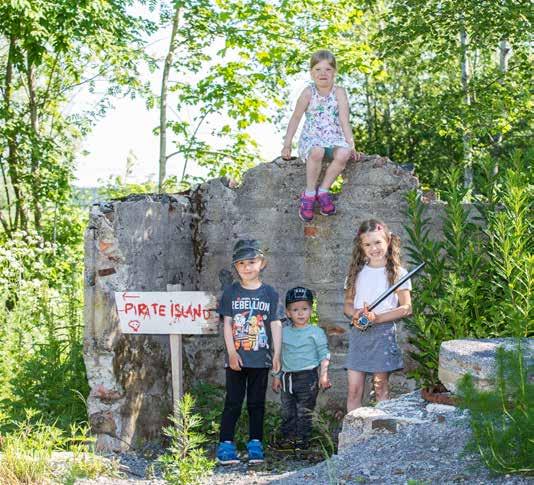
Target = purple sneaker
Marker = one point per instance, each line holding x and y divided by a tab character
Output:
307	204
327	206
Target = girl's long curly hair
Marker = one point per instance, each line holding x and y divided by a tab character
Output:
359	260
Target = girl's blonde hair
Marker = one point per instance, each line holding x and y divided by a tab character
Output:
359	259
323	55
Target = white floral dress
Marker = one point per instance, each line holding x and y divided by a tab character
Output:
321	126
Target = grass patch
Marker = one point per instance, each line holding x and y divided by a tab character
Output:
27	455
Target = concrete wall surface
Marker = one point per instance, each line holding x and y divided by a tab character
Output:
145	242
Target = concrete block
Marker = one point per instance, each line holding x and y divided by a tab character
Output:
476	357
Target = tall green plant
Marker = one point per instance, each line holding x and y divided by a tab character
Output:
185	461
478	280
41	364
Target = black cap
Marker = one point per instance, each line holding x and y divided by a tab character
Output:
246	249
299	294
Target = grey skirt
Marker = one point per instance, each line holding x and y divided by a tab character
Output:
375	350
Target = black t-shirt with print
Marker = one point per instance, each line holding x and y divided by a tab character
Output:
252	312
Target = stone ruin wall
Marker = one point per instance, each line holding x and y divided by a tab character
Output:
146	242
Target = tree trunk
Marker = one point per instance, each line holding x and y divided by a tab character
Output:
387	128
163	101
20	219
35	179
466	137
369	114
504	55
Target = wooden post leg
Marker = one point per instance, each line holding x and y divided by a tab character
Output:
176	362
176	369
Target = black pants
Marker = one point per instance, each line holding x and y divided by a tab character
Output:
254	382
299	394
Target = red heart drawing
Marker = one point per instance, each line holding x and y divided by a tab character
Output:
134	325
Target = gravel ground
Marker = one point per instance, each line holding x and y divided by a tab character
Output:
426	454
427	450
429	454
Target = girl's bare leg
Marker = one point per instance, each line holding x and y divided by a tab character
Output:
313	168
380	381
336	167
356	381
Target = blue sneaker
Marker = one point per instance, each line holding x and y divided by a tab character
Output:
255	452
226	453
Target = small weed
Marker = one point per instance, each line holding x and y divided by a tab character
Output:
337	186
86	464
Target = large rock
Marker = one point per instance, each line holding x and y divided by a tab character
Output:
478	358
389	416
144	243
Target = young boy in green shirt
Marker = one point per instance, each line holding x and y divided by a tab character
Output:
304	350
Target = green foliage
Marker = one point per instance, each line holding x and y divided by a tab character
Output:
49	50
502	420
27	454
41	364
478	281
413	105
117	188
185	461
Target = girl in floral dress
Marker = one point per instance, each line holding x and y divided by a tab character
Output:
326	134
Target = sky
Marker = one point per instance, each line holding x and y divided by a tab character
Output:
128	129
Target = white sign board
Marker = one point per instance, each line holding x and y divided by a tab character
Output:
167	312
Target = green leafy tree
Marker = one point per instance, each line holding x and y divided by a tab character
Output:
502	419
49	50
232	61
443	96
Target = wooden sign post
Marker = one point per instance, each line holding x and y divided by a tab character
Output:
172	313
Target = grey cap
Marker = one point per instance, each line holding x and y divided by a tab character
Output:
246	249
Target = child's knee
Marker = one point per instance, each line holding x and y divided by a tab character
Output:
342	156
316	154
355	391
380	384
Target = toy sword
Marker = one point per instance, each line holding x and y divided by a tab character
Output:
363	321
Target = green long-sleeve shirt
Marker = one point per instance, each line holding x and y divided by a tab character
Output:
303	348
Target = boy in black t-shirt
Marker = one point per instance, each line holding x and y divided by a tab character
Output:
252	335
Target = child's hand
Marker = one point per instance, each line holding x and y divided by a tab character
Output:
286	153
276	384
371	316
324	382
235	361
356	315
276	363
356	156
